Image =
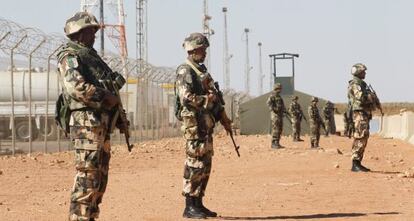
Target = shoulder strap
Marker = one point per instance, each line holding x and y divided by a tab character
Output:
193	67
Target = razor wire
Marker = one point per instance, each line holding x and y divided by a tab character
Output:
152	88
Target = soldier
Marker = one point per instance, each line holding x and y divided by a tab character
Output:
315	122
277	111
199	107
91	105
329	120
297	114
363	101
348	123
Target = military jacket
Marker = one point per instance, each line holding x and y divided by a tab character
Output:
313	112
327	112
295	110
193	84
275	104
358	95
80	69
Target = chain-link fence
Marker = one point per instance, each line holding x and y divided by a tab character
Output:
29	88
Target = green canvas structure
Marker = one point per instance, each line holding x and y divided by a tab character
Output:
255	115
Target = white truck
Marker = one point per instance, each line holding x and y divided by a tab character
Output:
20	108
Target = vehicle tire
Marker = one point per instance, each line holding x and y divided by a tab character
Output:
51	131
22	131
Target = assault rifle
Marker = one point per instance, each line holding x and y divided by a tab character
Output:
221	99
288	116
377	102
114	82
303	116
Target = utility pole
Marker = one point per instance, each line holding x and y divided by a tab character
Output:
141	103
226	56
261	76
102	22
207	31
247	65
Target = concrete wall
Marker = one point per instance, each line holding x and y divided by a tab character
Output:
398	126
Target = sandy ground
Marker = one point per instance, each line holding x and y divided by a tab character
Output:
295	183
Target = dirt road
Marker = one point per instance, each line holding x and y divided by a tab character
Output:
295	183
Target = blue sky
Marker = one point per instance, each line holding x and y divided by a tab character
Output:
329	35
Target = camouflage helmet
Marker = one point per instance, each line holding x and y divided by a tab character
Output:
80	21
277	86
358	68
294	97
194	41
314	99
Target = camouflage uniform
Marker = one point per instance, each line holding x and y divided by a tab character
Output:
198	124
361	101
78	67
277	110
329	119
297	114
315	122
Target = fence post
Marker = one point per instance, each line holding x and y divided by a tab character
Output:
30	95
47	99
12	92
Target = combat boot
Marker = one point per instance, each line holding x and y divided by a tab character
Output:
191	211
276	145
357	167
199	204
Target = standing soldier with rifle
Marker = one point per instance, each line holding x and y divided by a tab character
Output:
315	123
329	120
277	111
88	109
297	114
348	122
199	107
363	100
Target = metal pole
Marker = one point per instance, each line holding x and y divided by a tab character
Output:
2	38
12	92
247	68
293	73
260	69
47	97
162	117
226	74
30	94
101	20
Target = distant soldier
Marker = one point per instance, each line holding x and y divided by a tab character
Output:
297	114
199	107
329	119
363	101
92	107
315	122
277	111
348	123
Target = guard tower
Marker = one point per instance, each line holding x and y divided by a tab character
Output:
287	82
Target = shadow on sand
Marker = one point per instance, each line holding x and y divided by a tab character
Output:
311	216
385	172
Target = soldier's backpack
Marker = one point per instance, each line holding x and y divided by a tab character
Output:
62	114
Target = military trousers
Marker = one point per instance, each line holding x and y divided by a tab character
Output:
315	133
277	127
361	134
92	155
296	128
197	167
328	127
